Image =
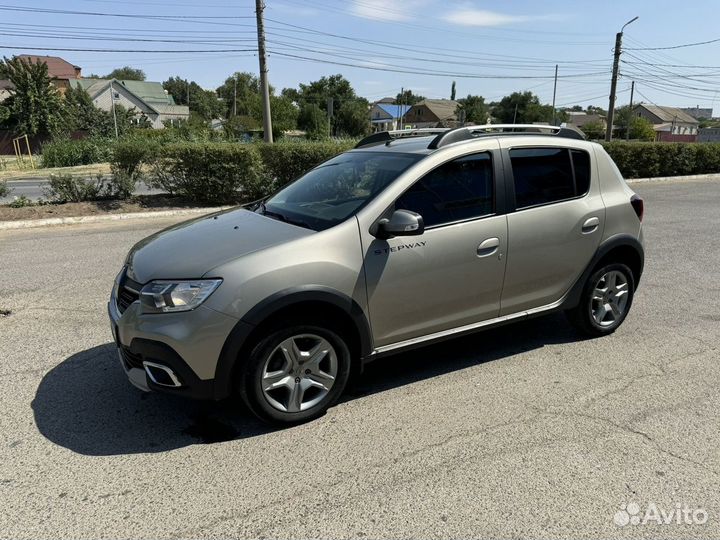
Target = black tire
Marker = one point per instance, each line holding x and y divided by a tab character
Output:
582	317
250	376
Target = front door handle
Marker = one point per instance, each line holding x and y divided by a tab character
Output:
590	225
488	247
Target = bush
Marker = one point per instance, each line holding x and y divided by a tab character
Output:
128	157
21	202
215	173
651	159
66	188
5	190
286	161
69	153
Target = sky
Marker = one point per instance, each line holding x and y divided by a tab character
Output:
487	48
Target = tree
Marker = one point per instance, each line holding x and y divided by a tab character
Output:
452	91
126	73
522	108
314	121
474	109
339	89
406	97
353	119
204	103
594	130
241	94
641	129
284	114
34	107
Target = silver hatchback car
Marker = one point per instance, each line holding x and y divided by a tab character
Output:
410	238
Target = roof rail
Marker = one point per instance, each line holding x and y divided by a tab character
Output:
385	137
492	130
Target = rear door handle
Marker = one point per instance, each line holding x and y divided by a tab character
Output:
488	247
590	225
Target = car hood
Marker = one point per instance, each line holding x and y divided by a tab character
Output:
188	250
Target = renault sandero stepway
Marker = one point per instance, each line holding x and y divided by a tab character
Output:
410	238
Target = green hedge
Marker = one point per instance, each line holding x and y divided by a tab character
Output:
647	160
69	153
215	173
285	161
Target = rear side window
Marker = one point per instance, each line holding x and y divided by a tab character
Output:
458	190
545	175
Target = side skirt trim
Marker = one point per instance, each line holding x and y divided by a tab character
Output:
468	328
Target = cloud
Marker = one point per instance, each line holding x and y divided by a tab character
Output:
386	10
481	17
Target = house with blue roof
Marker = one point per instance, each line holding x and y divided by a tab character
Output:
387	116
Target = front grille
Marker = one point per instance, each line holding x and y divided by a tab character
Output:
127	293
131	360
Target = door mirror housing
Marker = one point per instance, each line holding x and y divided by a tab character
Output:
401	223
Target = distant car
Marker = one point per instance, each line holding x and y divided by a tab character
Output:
410	238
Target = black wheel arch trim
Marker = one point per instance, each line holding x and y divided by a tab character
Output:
272	304
615	241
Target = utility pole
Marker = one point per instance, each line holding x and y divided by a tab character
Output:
264	85
613	82
554	93
112	103
627	128
235	95
515	114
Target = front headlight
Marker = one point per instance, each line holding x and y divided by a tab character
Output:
168	296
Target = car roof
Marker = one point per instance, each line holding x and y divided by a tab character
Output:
414	145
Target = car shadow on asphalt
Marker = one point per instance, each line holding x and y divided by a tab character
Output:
87	405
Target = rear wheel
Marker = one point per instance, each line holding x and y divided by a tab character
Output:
605	302
295	373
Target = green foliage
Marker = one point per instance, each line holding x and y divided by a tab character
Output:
353	119
204	103
34	106
241	94
69	153
641	129
215	173
528	109
67	188
651	159
346	119
82	115
285	161
475	109
593	130
128	157
408	98
5	190
20	202
126	73
314	121
284	114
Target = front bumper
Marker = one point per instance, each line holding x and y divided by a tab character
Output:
175	353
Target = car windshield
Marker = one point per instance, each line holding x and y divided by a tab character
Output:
337	189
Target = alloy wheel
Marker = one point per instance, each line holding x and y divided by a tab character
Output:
299	373
609	298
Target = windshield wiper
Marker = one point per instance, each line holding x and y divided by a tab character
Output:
281	217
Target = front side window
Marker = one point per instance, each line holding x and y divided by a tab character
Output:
458	190
545	175
337	189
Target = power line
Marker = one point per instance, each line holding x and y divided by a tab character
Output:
171	51
675	46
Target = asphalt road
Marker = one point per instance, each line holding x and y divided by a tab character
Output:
33	189
524	431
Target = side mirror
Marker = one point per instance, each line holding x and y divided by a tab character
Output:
401	223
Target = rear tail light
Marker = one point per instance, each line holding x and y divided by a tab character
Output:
638	205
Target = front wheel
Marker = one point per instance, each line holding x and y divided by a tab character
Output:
295	373
605	301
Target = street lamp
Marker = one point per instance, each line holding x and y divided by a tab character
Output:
613	83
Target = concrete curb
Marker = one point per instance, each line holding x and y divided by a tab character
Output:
48	222
675	178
